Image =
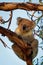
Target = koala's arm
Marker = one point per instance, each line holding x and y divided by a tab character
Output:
35	47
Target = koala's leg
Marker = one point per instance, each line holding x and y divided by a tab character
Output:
35	47
18	51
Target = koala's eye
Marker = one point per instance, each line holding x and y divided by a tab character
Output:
24	27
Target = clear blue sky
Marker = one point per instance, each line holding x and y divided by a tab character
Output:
7	56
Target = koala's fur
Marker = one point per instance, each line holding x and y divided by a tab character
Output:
25	30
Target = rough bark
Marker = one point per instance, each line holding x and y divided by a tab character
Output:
5	6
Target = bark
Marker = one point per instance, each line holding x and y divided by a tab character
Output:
15	39
5	6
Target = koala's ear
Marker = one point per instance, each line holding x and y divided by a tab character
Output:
19	19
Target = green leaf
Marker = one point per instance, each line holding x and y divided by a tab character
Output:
41	34
39	19
40	0
42	63
30	0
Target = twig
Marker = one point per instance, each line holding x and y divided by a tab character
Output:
31	14
37	35
10	19
2	21
5	45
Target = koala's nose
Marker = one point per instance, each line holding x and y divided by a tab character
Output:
24	27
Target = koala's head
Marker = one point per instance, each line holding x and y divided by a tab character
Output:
25	26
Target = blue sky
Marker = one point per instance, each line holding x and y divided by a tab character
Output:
7	56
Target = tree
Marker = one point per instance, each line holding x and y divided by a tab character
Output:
25	6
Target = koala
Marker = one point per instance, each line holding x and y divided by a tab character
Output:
25	30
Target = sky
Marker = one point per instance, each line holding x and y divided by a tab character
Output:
7	56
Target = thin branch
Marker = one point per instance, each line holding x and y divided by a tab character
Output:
5	45
5	6
2	21
31	14
10	19
37	35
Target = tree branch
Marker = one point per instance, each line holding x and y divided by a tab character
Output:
19	42
5	6
13	37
